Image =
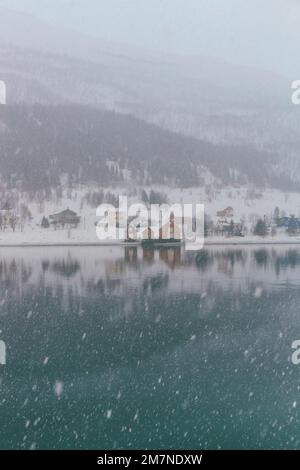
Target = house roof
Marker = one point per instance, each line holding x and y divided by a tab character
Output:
64	214
229	208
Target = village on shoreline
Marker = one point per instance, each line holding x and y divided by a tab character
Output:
69	217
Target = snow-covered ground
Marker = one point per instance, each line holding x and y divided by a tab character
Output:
248	206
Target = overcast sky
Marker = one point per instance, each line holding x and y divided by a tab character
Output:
263	33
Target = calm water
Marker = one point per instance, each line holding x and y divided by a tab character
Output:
120	348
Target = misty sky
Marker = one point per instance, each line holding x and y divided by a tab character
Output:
263	33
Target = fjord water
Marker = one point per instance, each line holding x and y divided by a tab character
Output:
113	347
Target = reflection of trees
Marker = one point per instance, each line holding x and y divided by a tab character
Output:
161	323
125	326
290	259
293	258
232	256
13	273
169	342
155	283
103	286
261	257
45	265
226	259
204	259
66	268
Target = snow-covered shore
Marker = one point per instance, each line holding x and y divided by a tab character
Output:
80	237
28	231
280	240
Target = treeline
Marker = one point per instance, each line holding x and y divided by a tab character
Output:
40	143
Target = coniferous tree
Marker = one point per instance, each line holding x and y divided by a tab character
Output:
292	226
260	228
45	222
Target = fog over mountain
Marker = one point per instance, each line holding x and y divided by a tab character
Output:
261	34
206	98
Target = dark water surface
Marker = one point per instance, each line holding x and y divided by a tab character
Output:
120	348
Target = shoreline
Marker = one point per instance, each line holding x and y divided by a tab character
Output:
209	243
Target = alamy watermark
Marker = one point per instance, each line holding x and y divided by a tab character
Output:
2	92
295	359
296	93
161	223
2	353
2	343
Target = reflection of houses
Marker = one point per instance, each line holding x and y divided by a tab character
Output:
131	255
114	269
67	267
225	266
66	217
228	212
148	254
170	256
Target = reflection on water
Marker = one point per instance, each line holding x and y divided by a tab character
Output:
131	348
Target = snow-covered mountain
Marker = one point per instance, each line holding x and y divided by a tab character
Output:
39	143
245	112
203	97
